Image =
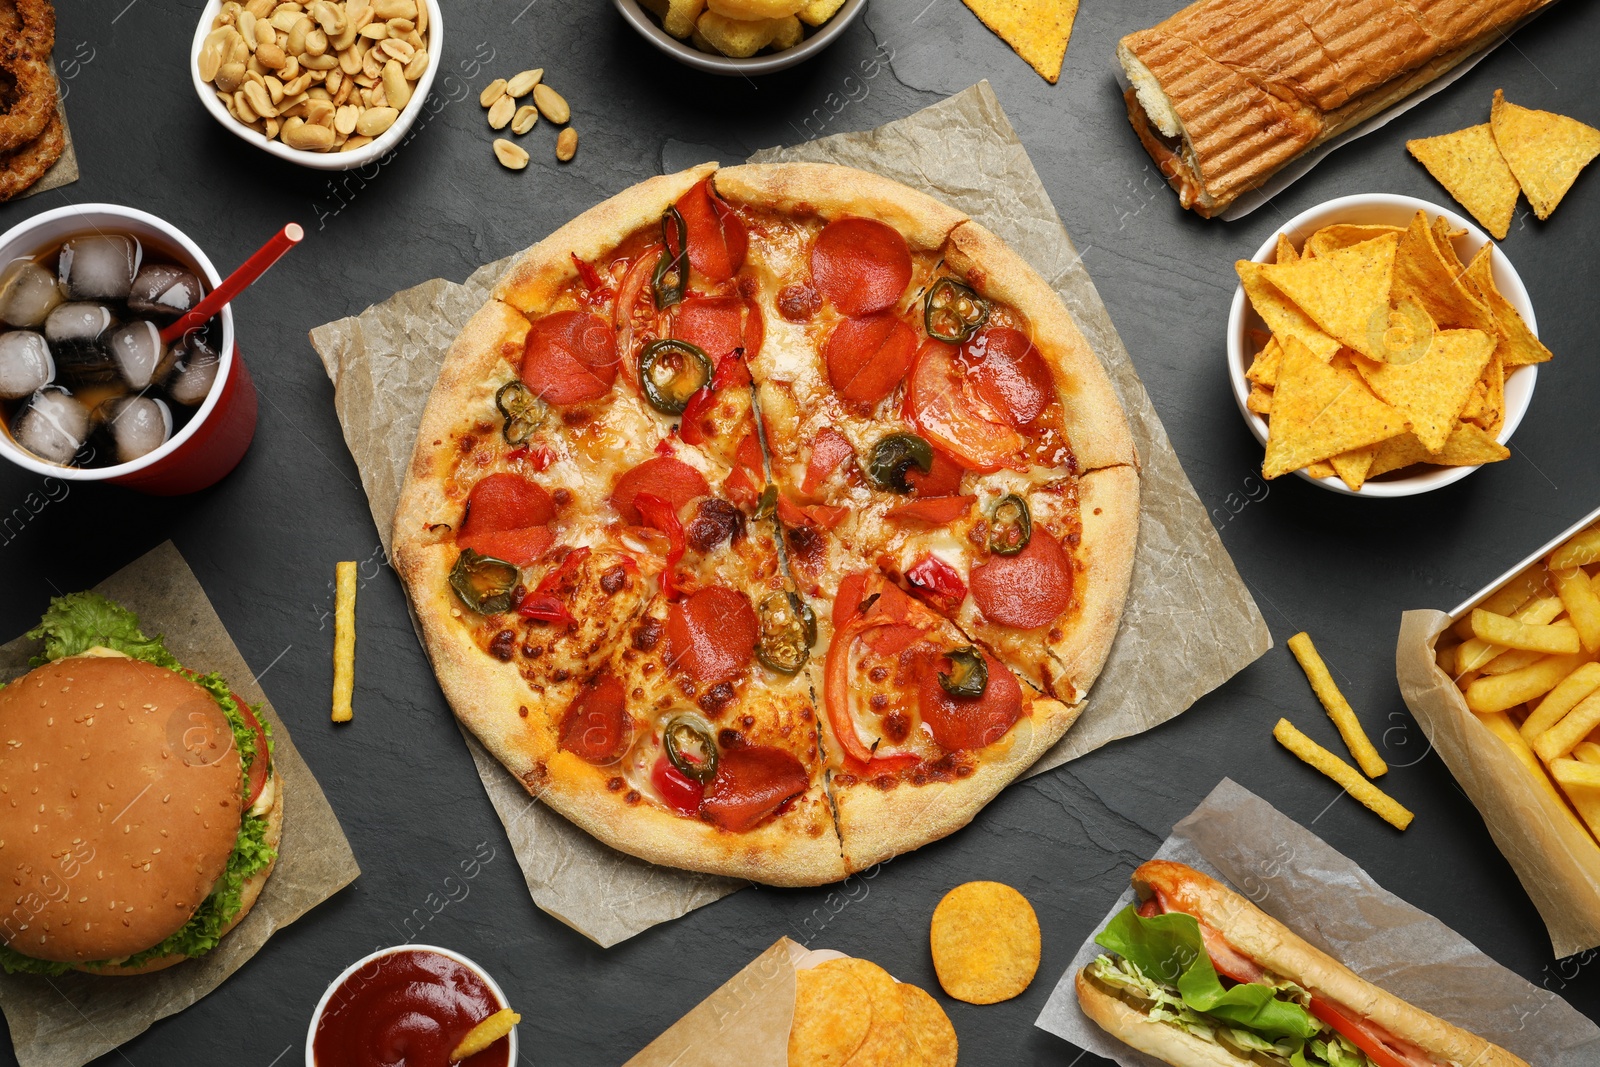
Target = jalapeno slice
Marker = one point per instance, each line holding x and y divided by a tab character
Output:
691	747
671	278
523	412
953	312
483	583
969	675
768	502
1010	526
788	630
671	372
892	459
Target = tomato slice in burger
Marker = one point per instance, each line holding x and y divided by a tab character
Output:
261	765
958	419
1380	1048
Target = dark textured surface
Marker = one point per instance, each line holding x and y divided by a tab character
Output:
264	541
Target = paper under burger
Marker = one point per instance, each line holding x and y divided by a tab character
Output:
139	815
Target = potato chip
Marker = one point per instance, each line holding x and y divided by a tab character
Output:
1518	346
1423	271
832	1014
819	11
1285	252
985	940
1470	167
1545	151
887	1044
1344	291
1320	410
1343	235
1467	446
1264	369
1037	30
933	1038
1282	317
1352	466
1432	391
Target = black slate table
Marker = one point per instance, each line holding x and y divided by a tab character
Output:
265	540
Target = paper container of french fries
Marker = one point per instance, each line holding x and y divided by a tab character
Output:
819	1006
1507	688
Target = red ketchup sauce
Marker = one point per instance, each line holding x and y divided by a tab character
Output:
407	1009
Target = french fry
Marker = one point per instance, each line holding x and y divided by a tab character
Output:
1582	604
1587	751
1508	690
1339	710
1568	694
1564	736
1506	600
1389	809
486	1033
344	640
1555	639
1580	551
1571	772
1476	653
1502	727
1512	659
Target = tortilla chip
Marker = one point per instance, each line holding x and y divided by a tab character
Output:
1264	368
1432	391
887	1042
1470	167
1320	410
1259	400
1343	235
1468	446
1423	271
932	1035
985	941
1321	469
1037	30
1286	251
1546	151
832	1014
1280	314
1491	413
1352	466
1518	346
1478	398
1342	291
1404	334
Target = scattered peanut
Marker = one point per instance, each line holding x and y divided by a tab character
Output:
567	144
524	119
523	83
500	113
492	92
552	105
510	156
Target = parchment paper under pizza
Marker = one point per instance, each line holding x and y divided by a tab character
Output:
769	520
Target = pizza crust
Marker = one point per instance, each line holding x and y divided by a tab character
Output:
1108	502
833	191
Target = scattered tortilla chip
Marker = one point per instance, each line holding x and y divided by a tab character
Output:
985	940
1264	368
933	1037
832	1014
1259	400
1545	151
1352	466
1468	446
1280	314
1470	167
887	1044
1037	30
1343	291
1518	346
1321	469
1423	272
817	12
1286	251
1433	391
1343	235
1320	410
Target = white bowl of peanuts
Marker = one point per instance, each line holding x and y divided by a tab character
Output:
317	82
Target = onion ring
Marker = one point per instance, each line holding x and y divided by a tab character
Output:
27	57
20	169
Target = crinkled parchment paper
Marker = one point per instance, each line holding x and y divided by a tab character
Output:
745	1023
63	171
1187	599
1323	896
1556	861
70	1020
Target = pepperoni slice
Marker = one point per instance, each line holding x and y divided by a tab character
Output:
934	510
959	421
942	479
860	265
597	726
1027	590
1010	372
671	479
505	502
570	357
718	239
717	325
751	785
969	722
867	357
829	450
520	547
712	634
820	516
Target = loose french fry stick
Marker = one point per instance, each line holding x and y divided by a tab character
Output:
1389	809
1339	710
344	640
1581	550
1582	604
1509	690
1502	727
1564	736
1572	690
1557	640
486	1033
1587	751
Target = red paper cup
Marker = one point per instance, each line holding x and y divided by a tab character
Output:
217	436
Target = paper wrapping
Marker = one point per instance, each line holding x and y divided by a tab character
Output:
70	1020
64	171
1327	899
1189	624
745	1023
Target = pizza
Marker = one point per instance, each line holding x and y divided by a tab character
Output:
768	520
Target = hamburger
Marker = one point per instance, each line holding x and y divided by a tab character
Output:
139	812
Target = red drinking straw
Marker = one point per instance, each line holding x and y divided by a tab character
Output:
234	284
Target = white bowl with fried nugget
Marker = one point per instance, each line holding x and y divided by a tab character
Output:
647	16
1382	209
